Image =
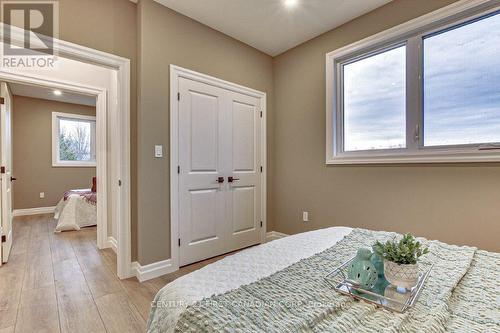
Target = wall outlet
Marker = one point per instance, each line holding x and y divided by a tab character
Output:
305	216
42	195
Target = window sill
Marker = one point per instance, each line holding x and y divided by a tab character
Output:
75	165
408	159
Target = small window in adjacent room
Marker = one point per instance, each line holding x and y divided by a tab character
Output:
73	140
417	94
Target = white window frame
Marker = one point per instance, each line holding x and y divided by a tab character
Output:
411	34
56	162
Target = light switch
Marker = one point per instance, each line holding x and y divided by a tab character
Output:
42	195
158	151
305	216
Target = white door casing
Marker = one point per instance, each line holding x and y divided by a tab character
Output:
83	83
121	166
6	173
216	131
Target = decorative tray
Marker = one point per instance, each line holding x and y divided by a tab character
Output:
383	294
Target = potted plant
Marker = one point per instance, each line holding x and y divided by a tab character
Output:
401	260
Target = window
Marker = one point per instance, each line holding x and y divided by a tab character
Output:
73	140
462	84
418	94
374	101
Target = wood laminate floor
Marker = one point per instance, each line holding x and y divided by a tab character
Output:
63	283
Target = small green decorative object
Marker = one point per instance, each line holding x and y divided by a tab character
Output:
378	262
380	286
362	271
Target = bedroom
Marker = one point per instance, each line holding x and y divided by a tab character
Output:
63	126
454	201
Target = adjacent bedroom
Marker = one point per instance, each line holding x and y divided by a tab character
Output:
245	166
57	175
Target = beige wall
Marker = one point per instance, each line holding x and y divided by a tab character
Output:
112	26
454	203
32	154
432	200
166	37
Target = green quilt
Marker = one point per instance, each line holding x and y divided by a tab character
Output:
461	295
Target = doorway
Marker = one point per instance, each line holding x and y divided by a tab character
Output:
112	91
50	157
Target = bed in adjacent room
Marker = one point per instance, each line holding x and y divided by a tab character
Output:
77	209
279	287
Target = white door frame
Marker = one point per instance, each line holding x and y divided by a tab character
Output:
120	165
176	73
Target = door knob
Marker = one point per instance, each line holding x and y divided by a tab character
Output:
232	179
12	179
220	180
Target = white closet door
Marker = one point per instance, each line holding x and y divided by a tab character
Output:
243	195
219	138
202	207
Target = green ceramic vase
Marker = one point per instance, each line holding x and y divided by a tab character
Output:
362	271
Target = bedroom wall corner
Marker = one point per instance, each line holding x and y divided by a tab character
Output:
456	203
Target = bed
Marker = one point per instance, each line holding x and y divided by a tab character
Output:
77	209
279	287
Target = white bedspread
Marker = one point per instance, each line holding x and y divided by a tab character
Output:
75	213
243	268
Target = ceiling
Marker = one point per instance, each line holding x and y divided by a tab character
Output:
47	93
269	25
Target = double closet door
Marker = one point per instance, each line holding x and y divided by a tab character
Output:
219	171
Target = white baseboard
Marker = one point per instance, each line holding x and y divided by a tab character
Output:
273	235
33	211
112	243
151	271
154	270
